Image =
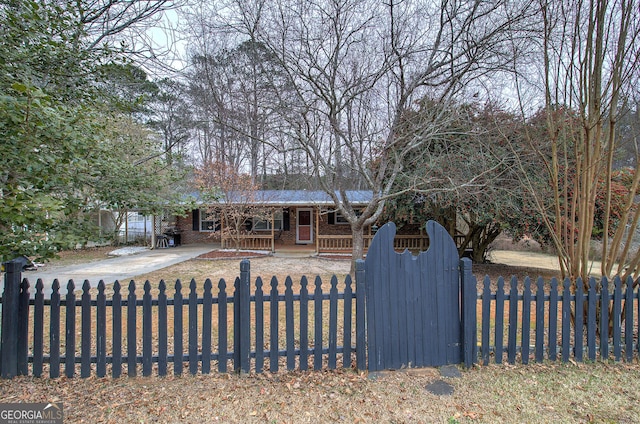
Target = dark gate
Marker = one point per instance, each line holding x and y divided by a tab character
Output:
413	303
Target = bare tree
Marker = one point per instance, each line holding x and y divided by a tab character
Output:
236	199
590	56
357	66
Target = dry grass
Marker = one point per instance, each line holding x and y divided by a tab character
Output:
596	392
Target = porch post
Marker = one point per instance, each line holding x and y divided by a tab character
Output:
273	233
316	211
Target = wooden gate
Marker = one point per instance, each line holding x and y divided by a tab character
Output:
413	303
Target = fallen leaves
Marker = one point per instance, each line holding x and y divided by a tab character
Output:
500	393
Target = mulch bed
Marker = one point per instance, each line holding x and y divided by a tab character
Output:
228	254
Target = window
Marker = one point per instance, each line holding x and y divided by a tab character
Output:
209	220
265	224
340	219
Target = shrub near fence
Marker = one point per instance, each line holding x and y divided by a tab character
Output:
248	320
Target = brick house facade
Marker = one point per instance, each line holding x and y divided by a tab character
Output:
301	216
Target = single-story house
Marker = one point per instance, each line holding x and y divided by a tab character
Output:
295	217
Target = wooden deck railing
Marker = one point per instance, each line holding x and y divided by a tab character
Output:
345	242
339	243
249	241
401	242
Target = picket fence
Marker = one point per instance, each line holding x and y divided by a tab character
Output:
513	324
153	314
557	320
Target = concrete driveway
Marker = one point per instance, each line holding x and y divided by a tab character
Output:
121	268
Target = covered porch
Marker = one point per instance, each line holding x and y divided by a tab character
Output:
312	230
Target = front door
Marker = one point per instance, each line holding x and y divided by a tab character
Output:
304	227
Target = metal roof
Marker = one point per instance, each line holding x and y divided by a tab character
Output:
297	197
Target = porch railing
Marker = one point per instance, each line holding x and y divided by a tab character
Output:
345	242
250	242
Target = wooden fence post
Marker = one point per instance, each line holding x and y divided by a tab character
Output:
361	341
10	319
469	319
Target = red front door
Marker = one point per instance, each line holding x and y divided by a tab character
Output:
304	229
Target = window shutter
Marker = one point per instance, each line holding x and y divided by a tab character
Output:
286	225
196	219
332	218
248	224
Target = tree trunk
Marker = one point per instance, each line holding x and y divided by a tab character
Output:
357	234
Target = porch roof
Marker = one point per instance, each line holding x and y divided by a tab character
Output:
298	197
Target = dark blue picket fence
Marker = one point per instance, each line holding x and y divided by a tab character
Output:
557	321
267	326
331	339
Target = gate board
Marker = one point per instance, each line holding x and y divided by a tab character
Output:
412	302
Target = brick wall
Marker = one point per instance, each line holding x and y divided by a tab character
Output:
185	224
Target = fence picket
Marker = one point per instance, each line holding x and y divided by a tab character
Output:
333	323
604	318
591	320
132	349
38	329
146	330
85	341
617	310
526	320
54	331
361	354
513	321
223	354
346	343
500	321
317	338
486	319
259	306
70	331
289	328
22	363
162	329
553	320
177	329
116	362
539	320
101	331
207	306
304	324
274	349
566	320
628	320
193	328
578	334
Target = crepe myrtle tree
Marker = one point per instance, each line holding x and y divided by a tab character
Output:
589	57
235	196
357	66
